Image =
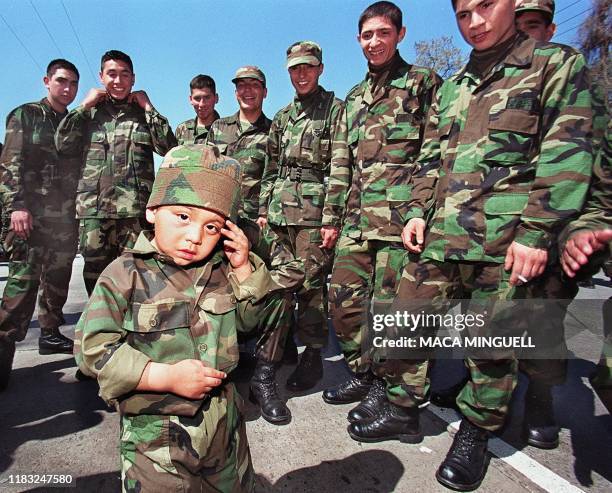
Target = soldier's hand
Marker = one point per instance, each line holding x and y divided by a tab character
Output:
236	248
141	99
94	96
581	246
21	223
261	221
526	263
413	235
329	234
192	379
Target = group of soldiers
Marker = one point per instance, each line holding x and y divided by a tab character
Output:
410	189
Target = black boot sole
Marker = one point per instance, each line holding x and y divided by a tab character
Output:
465	487
341	402
539	443
270	419
54	351
402	437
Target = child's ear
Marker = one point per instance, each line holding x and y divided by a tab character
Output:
150	215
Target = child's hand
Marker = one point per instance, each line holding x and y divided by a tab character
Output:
192	379
236	247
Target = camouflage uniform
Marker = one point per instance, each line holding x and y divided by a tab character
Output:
379	138
293	194
33	177
505	158
189	132
115	142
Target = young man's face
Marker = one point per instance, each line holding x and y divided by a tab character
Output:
250	94
203	102
187	234
117	78
485	23
62	86
533	24
379	39
305	78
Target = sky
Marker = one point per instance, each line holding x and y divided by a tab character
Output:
171	41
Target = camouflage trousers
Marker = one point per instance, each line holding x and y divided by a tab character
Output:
274	324
304	243
485	398
103	240
43	260
363	270
601	379
208	452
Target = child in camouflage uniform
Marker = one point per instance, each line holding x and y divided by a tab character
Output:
159	331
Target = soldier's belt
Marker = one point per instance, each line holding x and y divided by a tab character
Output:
299	173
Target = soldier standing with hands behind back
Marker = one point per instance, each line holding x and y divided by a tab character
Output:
114	132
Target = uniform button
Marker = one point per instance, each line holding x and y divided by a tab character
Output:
153	322
203	347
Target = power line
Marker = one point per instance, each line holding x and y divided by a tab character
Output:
567	31
567	7
573	17
46	28
22	44
78	41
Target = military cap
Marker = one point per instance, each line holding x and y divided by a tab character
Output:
198	175
547	7
250	72
304	52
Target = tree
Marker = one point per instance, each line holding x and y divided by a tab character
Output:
439	54
595	36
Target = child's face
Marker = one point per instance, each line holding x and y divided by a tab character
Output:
187	234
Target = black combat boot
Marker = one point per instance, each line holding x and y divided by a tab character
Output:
263	393
539	426
372	404
393	423
466	463
7	352
308	371
447	397
353	390
52	341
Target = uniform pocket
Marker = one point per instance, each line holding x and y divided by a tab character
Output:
313	196
512	136
398	197
502	215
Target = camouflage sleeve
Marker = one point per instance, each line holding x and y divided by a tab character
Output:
340	170
161	133
564	164
271	167
12	163
179	133
104	352
249	292
210	136
71	131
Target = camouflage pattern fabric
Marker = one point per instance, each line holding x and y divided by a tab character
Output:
115	142
299	154
189	132
34	177
373	156
145	308
103	240
248	146
507	162
547	7
362	269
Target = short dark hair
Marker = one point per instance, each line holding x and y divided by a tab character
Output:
382	9
59	63
116	55
202	82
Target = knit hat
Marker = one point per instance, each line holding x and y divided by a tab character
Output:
198	175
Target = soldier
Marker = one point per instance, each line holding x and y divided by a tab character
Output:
382	135
293	196
243	136
159	331
114	133
535	18
500	138
203	97
38	189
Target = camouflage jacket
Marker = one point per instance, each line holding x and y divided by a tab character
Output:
116	144
248	147
509	156
297	166
373	156
188	132
146	308
32	175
